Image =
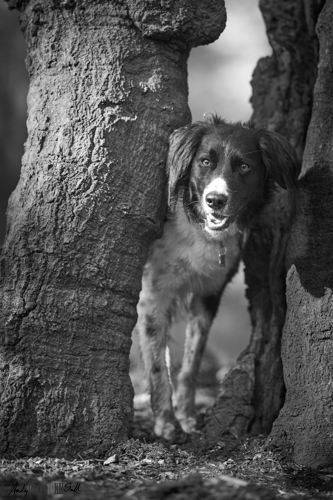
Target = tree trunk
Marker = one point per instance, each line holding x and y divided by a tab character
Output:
108	85
253	392
305	424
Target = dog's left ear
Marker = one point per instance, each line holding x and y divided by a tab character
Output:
183	144
281	161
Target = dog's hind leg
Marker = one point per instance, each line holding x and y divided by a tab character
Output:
152	327
201	314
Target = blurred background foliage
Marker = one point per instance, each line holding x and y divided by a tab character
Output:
13	108
219	81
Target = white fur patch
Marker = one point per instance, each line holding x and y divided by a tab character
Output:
217	185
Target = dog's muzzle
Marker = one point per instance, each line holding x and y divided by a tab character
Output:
214	203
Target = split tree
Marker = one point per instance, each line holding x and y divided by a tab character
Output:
108	85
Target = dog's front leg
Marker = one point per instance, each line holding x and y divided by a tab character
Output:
152	326
200	317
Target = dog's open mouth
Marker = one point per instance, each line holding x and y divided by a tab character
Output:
217	224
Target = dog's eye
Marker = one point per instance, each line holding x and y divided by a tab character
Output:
244	168
205	162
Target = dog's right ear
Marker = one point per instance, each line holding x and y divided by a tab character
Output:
281	162
183	144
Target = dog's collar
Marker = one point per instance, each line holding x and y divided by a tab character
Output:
222	253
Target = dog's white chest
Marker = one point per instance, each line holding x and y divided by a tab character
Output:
185	259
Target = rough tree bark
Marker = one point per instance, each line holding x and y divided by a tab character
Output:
252	394
108	85
305	424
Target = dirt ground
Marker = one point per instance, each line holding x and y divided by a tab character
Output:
146	468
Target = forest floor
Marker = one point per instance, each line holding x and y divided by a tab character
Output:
146	468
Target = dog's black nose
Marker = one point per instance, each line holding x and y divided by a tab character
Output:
216	201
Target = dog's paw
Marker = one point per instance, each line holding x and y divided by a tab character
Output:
164	429
188	424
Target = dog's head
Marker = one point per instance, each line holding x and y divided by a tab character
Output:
225	173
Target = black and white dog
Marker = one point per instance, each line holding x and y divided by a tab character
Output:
220	176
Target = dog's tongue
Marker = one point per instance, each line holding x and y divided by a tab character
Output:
217	224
